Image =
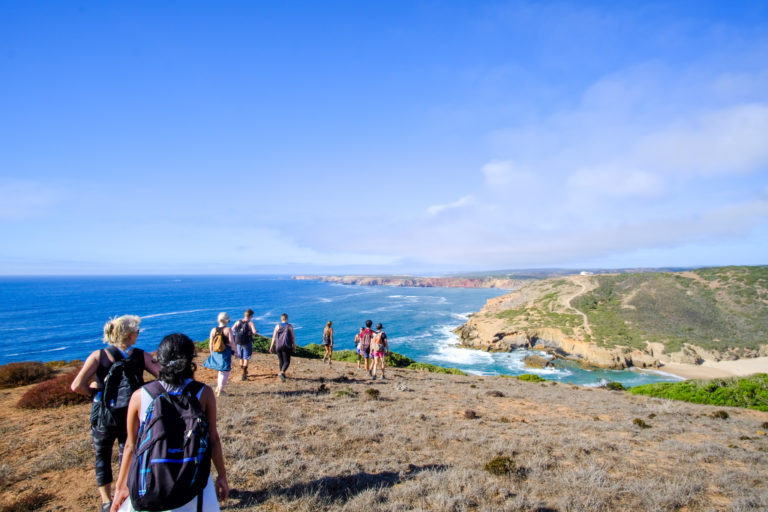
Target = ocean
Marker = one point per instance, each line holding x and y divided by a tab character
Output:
61	318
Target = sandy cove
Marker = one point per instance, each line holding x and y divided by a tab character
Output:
718	369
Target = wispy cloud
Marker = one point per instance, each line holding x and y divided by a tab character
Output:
458	204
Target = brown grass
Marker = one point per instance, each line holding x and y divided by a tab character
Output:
22	374
300	446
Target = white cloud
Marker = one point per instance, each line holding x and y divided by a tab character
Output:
459	203
615	182
721	141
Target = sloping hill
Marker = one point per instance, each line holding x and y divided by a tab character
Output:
638	318
322	441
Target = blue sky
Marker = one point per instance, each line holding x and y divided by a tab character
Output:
313	137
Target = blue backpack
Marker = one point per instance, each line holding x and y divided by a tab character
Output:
172	457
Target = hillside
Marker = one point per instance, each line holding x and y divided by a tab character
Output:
634	319
332	439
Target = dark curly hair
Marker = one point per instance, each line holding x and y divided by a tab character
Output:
176	355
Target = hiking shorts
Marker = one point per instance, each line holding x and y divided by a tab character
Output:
365	352
244	351
378	354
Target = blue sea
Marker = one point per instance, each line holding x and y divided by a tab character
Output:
61	318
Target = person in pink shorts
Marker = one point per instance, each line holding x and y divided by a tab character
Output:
379	350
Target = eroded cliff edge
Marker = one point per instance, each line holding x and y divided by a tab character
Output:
642	320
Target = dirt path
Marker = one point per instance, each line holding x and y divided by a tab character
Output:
569	298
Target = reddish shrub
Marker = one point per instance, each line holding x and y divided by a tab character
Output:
52	393
28	503
13	375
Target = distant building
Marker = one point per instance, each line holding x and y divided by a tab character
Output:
586	273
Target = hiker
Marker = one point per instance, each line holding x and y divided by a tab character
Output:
222	347
283	344
379	349
366	335
328	341
172	422
120	334
244	331
357	347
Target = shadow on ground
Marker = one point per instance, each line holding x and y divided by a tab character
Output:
332	488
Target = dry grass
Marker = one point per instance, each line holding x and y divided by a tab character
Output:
21	374
319	442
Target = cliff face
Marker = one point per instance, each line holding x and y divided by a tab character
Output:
415	282
634	320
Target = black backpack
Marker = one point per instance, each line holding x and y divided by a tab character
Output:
242	333
110	407
172	456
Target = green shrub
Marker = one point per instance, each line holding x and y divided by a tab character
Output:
346	392
530	377
749	392
52	393
372	393
426	367
721	415
13	375
500	465
615	386
640	423
28	503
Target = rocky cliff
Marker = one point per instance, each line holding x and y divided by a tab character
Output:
416	282
631	320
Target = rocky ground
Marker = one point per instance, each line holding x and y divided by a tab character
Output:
332	439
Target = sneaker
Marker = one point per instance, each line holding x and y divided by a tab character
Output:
374	376
383	377
105	506
282	376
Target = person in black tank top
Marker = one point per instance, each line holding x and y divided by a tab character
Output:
121	334
328	341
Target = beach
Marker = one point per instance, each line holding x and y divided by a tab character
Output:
718	369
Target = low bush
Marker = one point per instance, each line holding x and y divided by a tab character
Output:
469	414
615	386
426	367
530	377
721	415
372	393
495	393
749	392
500	465
640	423
52	393
29	502
346	392
13	375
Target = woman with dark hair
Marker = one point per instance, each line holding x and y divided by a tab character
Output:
120	334
175	355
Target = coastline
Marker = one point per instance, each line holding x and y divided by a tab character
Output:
717	369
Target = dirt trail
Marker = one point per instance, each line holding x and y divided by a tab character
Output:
569	298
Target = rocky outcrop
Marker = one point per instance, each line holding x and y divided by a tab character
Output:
415	282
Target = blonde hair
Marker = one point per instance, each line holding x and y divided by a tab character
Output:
223	318
327	329
119	329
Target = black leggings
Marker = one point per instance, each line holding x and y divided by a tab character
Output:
284	356
103	443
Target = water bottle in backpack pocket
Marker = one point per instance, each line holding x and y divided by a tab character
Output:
172	457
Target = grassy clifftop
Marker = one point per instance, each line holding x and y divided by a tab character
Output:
721	311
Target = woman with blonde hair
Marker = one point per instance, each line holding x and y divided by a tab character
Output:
328	341
120	334
222	346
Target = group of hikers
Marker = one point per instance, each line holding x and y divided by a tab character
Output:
166	429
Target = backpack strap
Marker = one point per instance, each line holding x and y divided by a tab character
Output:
115	352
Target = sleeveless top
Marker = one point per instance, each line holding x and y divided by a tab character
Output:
136	356
146	398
